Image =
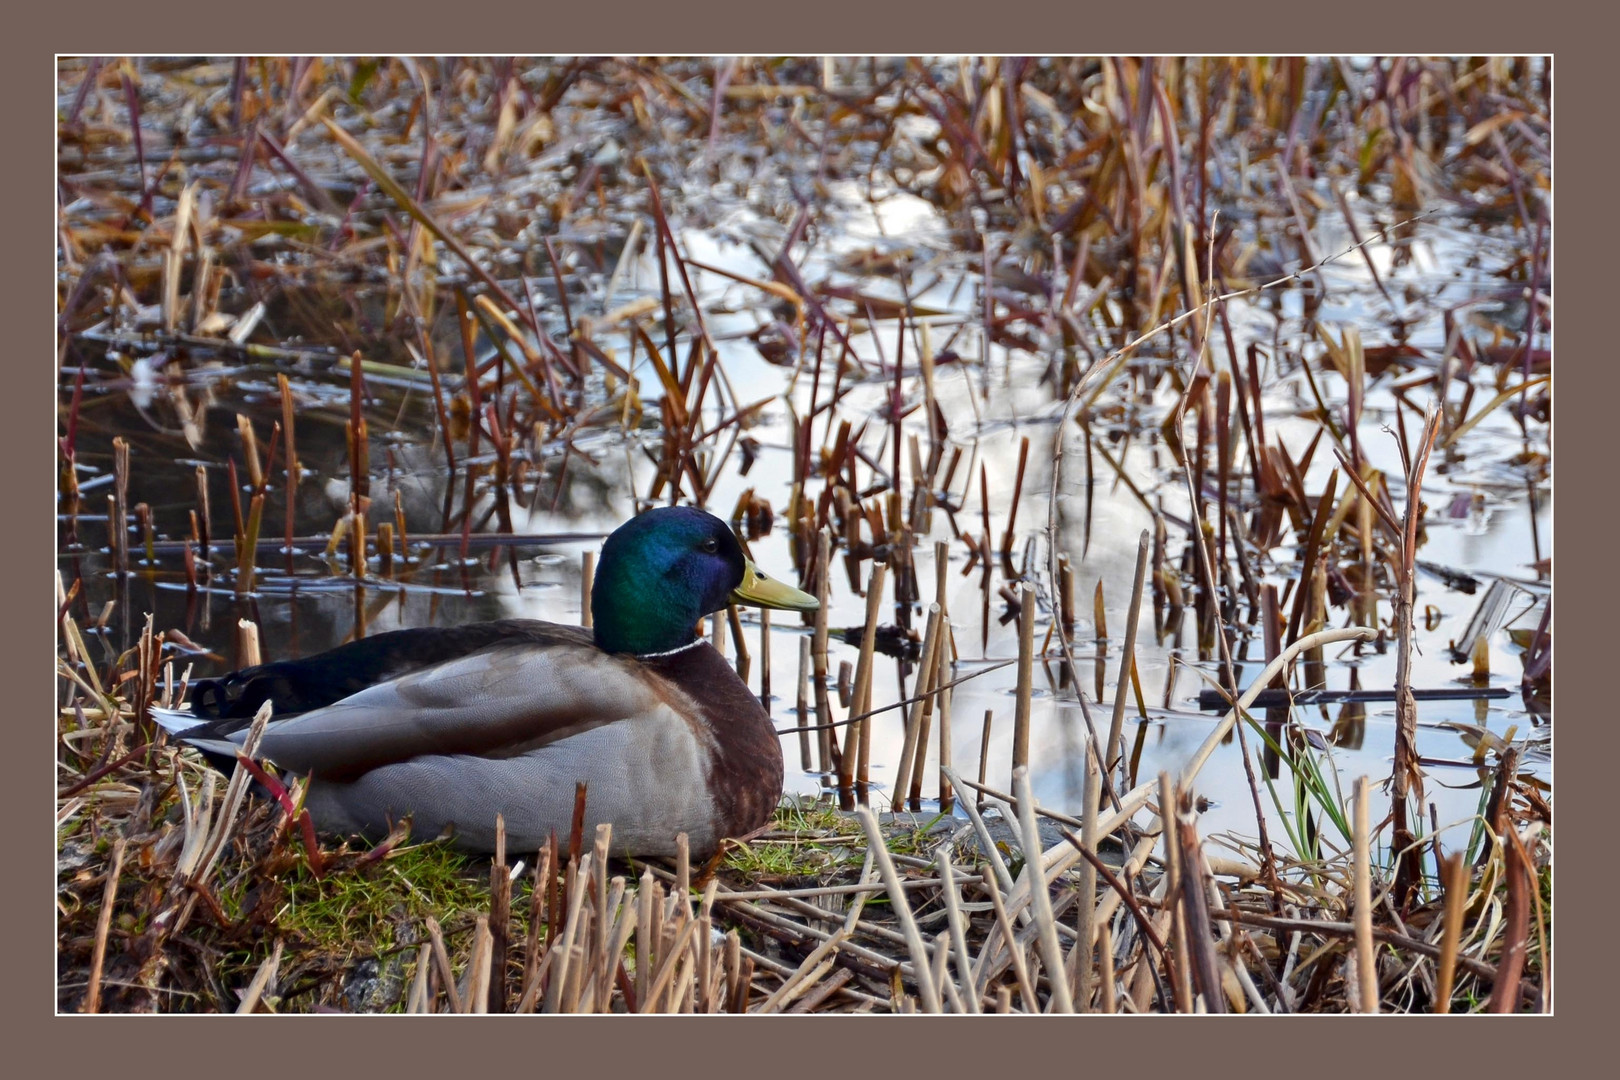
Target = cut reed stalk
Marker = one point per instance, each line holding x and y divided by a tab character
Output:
984	746
1517	874
957	923
544	873
645	932
1099	615
925	675
566	977
1108	1005
109	895
1199	937
801	701
1026	675
657	1000
417	1001
385	549
1113	759
1313	541
289	454
1086	929
1040	900
118	507
1361	875
263	978
1018	490
1181	975
441	959
247	643
818	651
500	917
920	960
765	659
247	547
940	973
861	701
1016	953
1456	906
947	797
744	659
143	516
733	969
1066	590
481	965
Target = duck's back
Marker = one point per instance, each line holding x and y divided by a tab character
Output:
298	686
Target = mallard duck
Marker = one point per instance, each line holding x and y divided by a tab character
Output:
454	725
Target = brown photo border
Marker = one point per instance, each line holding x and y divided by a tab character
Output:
710	26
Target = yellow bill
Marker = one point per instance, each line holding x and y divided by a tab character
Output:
762	591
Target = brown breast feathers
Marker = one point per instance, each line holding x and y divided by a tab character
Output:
745	773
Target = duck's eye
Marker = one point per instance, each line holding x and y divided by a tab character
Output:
711	545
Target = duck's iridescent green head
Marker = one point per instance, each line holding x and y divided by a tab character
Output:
664	570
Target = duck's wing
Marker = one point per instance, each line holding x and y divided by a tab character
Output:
496	702
312	682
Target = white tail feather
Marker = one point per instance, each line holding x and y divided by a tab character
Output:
175	721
